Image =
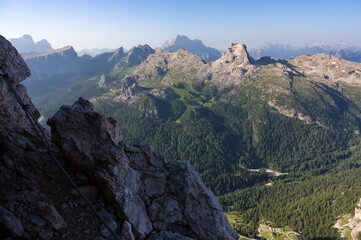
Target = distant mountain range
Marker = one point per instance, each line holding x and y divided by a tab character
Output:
194	46
63	67
347	54
66	66
95	51
26	44
282	51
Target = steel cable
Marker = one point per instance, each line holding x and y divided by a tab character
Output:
41	134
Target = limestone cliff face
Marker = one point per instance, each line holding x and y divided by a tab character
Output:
169	67
137	191
329	67
234	65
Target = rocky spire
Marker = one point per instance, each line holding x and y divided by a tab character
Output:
236	54
232	67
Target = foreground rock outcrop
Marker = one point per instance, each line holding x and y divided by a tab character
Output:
146	190
137	191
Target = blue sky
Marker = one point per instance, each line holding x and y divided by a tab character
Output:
111	24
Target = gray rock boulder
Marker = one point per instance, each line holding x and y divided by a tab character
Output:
9	224
50	213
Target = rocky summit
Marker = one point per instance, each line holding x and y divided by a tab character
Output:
138	192
235	69
195	46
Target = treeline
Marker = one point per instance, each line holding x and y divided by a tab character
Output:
198	138
309	205
221	137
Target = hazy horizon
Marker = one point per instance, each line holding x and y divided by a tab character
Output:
113	24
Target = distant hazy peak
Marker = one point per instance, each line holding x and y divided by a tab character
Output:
180	40
195	46
25	38
43	45
26	44
117	55
67	51
145	47
119	50
169	43
96	51
347	54
138	54
284	51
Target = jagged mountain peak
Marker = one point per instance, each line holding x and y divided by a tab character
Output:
181	40
119	50
236	53
43	45
169	66
145	46
117	55
26	44
25	37
67	51
138	54
195	46
171	42
141	49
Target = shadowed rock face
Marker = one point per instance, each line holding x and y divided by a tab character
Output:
11	61
149	192
13	121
